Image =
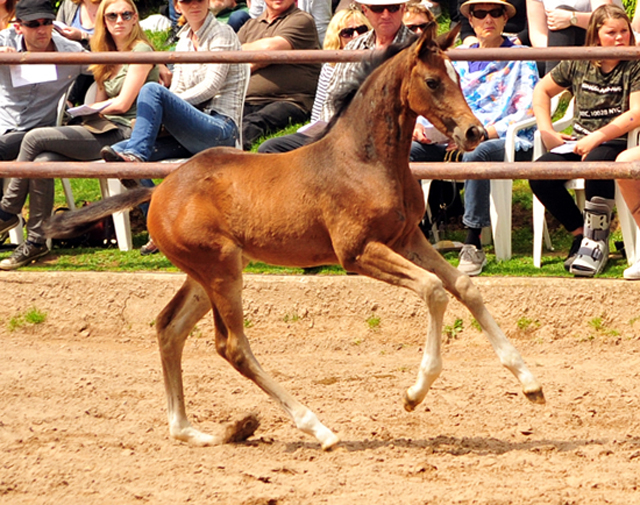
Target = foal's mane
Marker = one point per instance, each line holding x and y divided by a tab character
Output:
347	90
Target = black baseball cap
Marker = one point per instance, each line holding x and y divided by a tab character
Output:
30	10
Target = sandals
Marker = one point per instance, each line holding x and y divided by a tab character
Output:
593	254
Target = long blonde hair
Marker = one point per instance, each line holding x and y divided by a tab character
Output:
339	21
10	8
102	40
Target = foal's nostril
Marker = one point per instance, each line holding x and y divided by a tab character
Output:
474	133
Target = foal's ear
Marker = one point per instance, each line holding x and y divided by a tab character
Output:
446	40
426	41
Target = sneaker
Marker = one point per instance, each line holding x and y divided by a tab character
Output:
573	252
471	260
149	248
24	254
9	224
633	272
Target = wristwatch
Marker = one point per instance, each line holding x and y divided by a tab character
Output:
574	19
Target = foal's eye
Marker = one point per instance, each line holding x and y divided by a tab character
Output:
432	84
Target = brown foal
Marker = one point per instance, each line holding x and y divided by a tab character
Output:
348	198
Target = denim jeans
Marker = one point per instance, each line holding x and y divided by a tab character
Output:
192	128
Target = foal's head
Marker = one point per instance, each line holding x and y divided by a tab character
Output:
434	90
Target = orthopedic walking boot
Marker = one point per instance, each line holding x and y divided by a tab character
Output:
593	254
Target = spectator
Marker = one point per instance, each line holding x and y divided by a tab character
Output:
607	106
516	29
278	94
203	107
630	189
116	29
417	16
345	25
234	13
554	23
385	17
499	94
79	17
320	10
30	106
7	11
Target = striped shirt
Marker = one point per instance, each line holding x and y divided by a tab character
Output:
218	87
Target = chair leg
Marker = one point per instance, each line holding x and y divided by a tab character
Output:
16	235
68	193
501	222
629	228
426	188
539	229
121	220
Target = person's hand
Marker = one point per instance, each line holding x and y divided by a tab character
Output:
7	50
165	75
418	134
558	19
72	33
588	143
552	139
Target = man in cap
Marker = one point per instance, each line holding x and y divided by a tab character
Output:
499	94
26	103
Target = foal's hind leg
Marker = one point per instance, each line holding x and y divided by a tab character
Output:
173	325
225	291
420	252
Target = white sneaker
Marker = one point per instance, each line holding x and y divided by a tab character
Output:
633	272
471	260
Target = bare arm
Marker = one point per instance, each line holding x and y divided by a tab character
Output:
544	91
537	20
136	77
276	43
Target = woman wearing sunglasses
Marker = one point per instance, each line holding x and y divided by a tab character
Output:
116	29
203	107
417	16
345	26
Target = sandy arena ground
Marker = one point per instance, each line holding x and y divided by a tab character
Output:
83	416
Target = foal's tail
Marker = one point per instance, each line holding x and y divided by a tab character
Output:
75	223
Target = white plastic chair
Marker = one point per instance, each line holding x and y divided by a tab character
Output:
630	233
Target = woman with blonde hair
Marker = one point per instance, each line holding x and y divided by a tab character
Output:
607	107
116	29
7	12
345	25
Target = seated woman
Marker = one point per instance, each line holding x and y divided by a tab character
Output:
116	29
630	189
607	106
345	25
499	94
204	105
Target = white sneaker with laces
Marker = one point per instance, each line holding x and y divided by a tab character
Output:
471	260
633	272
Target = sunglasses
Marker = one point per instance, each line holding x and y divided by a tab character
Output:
189	1
37	24
379	9
417	28
113	16
494	13
347	33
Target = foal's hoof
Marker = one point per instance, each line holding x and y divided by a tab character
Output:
241	429
536	396
409	404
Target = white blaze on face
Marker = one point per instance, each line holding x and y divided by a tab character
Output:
451	71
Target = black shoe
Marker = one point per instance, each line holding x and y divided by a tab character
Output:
23	255
9	224
573	252
108	153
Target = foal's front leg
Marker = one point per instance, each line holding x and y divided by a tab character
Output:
422	253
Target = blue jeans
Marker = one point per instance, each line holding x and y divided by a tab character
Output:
192	128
